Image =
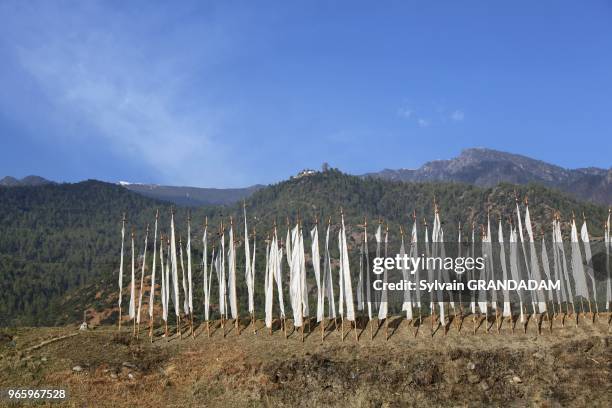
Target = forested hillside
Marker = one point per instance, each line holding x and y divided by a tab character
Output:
59	244
57	237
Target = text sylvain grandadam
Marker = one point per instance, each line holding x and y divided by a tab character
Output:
459	265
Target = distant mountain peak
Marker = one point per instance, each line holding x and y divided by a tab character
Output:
488	167
191	196
9	181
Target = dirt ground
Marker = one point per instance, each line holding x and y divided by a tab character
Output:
571	366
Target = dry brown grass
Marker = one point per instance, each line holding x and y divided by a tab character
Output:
568	367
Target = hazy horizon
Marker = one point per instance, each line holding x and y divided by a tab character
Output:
120	181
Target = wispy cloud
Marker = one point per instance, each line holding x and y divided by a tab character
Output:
457	115
410	114
115	84
423	122
425	117
405	112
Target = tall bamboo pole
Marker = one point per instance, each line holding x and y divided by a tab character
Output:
151	321
142	273
121	266
133	289
253	272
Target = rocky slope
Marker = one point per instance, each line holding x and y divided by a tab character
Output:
487	167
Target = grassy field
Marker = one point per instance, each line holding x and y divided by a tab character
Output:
570	366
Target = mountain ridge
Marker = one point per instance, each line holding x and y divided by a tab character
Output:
32	180
192	196
485	167
482	167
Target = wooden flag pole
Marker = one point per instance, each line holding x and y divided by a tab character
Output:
271	283
322	324
121	284
185	293
222	273
460	321
447	309
552	299
133	290
497	321
512	320
386	329
591	312
416	332
284	322
564	314
151	317
141	288
432	313
550	319
608	301
237	319
457	318
582	309
433	317
192	331
253	272
190	283
556	217
365	232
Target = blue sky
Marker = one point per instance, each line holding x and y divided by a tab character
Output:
235	93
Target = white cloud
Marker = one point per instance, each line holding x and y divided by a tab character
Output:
428	117
457	116
405	112
410	115
110	81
